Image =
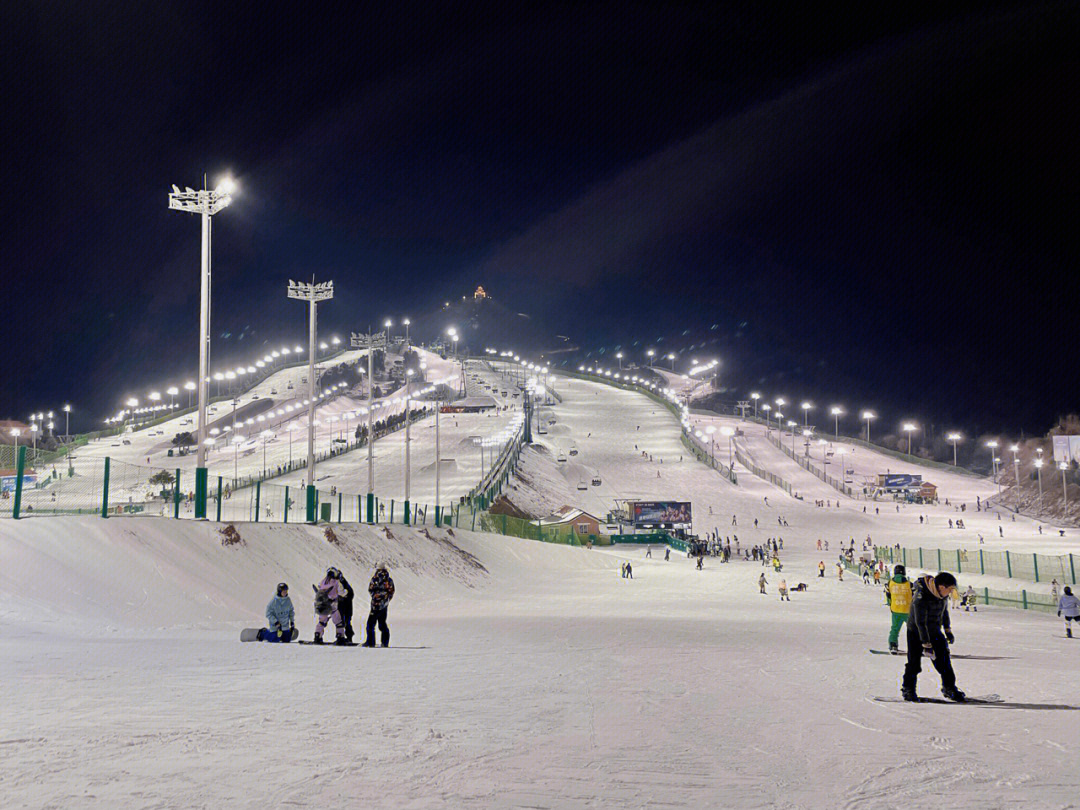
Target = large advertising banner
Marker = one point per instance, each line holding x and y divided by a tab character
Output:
1066	448
651	512
899	481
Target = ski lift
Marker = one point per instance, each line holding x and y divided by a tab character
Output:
573	451
561	459
582	485
596	481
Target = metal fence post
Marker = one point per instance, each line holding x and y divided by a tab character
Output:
1072	568
982	568
1008	564
286	504
1024	592
1035	562
20	469
219	487
339	502
176	495
359	508
391	510
258	499
105	491
939	559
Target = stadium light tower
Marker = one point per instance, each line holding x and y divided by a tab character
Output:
618	356
1063	466
312	293
909	428
953	438
1038	474
867	416
206	203
1014	449
406	323
993	445
754	395
836	412
806	408
671	357
766	407
371	341
651	354
67	422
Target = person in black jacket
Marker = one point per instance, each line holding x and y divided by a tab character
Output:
929	616
345	606
381	589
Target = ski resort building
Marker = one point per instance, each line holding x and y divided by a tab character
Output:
582	522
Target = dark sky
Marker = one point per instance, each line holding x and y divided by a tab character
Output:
876	207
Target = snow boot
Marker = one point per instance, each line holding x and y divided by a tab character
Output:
1068	632
894	648
954	694
909	695
341	641
317	639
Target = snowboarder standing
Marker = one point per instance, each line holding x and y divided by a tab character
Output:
898	598
630	570
667	553
783	591
821	569
345	605
327	594
969	600
762	582
381	589
279	616
1069	605
929	617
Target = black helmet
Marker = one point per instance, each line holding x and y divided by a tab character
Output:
333	572
899	570
282	588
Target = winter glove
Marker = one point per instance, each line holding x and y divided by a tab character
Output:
928	651
949	637
279	632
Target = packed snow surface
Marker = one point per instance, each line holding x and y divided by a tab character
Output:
524	674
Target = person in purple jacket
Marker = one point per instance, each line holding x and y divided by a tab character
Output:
327	594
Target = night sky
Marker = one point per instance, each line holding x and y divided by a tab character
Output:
871	207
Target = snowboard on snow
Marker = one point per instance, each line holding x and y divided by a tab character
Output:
255	633
962	656
978	699
328	643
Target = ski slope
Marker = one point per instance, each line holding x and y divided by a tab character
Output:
521	675
336	421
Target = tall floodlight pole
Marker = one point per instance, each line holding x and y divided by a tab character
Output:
67	423
408	443
312	293
1014	449
438	459
867	416
371	341
953	438
1063	466
755	396
206	203
836	412
909	427
1038	473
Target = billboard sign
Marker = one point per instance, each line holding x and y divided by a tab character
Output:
653	512
899	481
1066	448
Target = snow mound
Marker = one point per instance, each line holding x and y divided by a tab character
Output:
141	573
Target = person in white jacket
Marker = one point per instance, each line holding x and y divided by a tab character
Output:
1069	607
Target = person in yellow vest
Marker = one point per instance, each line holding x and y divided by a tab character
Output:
898	598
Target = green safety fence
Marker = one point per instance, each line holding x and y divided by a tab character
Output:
764	474
1028	566
806	464
687	440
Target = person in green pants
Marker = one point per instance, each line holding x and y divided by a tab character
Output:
898	598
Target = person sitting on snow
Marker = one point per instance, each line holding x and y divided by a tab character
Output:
279	616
